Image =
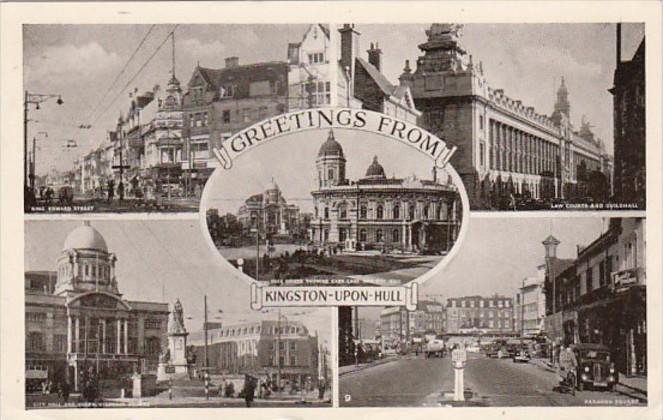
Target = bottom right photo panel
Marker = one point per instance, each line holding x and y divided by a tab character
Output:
531	312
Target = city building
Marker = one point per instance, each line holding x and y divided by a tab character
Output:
530	305
270	212
504	147
363	85
428	317
283	349
601	296
629	126
309	81
76	318
376	212
220	102
477	314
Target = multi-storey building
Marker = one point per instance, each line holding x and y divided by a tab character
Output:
269	212
504	147
361	84
530	304
629	126
220	102
601	296
379	212
260	348
309	76
397	324
492	315
76	318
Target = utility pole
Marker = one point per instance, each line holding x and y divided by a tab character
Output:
278	350
205	329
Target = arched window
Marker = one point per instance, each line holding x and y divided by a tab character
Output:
363	212
410	211
395	236
343	212
397	211
362	235
380	212
378	235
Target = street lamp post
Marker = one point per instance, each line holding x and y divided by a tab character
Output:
36	99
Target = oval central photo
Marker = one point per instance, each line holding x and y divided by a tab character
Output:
347	206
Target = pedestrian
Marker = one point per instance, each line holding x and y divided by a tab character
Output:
64	391
568	364
120	190
249	389
111	190
321	388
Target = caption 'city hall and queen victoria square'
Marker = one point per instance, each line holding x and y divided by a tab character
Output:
346	205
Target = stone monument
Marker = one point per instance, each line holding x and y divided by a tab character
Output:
173	364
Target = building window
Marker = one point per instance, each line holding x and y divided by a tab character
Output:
481	122
362	235
226	116
397	211
326	212
396	236
341	234
35	316
482	152
34	342
363	212
330	174
326	234
380	212
227	91
426	208
344	212
411	211
152	324
200	150
588	279
378	235
316	58
60	343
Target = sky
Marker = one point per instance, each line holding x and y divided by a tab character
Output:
295	172
80	63
162	260
498	253
528	61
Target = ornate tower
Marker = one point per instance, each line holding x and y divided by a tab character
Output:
442	51
330	163
562	105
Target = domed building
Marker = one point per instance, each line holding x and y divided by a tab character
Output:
276	216
377	212
77	319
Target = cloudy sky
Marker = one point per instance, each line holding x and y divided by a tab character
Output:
498	253
295	173
527	61
80	62
163	260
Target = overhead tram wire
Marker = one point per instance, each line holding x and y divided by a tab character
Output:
170	33
126	65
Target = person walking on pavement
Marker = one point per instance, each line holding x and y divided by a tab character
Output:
120	190
111	190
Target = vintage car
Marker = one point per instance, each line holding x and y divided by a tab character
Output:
595	366
435	347
521	354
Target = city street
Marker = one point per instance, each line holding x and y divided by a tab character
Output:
416	381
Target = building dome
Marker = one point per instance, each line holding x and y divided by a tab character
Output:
85	237
375	170
330	147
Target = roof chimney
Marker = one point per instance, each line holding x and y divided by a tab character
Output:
619	43
349	48
232	62
374	54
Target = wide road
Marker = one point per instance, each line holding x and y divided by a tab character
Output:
416	381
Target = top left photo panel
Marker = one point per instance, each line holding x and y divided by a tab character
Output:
125	118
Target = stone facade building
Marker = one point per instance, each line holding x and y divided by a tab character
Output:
629	126
600	297
504	146
492	315
76	318
376	212
260	348
309	77
530	304
270	212
429	316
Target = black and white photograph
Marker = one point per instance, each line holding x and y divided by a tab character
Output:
340	205
544	116
124	118
557	318
137	314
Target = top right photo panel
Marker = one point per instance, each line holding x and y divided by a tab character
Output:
544	116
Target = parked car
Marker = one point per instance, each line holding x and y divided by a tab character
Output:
521	354
595	366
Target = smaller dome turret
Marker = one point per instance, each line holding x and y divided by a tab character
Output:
330	147
375	170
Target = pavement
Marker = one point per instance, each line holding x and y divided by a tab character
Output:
415	381
345	370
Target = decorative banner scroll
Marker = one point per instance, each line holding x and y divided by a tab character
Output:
292	296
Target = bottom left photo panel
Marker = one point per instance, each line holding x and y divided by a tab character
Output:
141	313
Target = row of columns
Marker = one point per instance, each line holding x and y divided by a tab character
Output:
74	335
513	150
